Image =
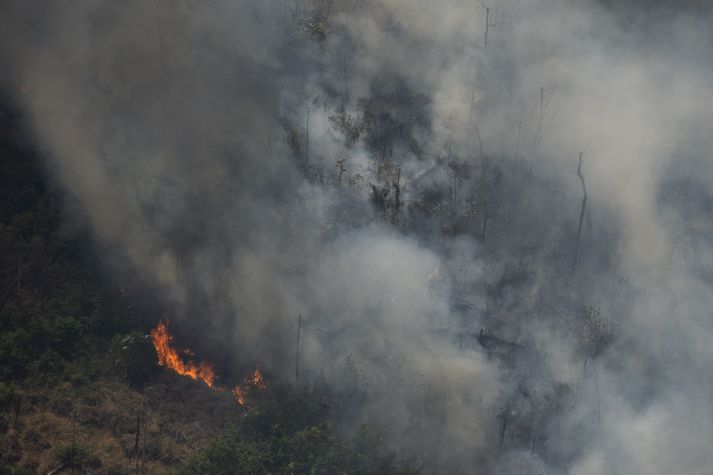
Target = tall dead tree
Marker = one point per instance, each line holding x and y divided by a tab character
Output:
74	440
503	427
575	257
544	105
517	148
396	183
480	149
297	351
489	23
136	442
309	108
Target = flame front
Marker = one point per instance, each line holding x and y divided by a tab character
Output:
170	357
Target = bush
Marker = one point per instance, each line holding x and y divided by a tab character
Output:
77	457
9	400
7	470
135	358
292	432
49	362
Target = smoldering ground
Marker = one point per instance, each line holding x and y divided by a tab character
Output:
413	194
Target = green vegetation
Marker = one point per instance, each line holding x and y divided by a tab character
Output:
55	314
291	432
76	457
134	358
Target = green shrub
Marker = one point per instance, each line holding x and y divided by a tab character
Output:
293	432
7	470
9	399
77	457
135	358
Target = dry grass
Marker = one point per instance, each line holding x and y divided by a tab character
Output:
178	417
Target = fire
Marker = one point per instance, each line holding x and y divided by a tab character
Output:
240	395
170	357
255	381
203	371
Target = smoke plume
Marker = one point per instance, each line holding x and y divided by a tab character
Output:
413	193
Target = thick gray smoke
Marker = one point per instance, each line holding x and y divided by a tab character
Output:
412	192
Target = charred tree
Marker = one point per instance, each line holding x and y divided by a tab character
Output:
489	23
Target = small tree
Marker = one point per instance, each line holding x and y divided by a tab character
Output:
135	358
596	337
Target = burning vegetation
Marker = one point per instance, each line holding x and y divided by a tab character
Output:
170	357
255	381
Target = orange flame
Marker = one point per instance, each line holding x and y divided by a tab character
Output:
255	381
169	357
203	371
240	395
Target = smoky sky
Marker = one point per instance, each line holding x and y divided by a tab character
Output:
244	160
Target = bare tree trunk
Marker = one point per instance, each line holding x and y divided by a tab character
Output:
480	148
596	389
472	104
297	352
309	108
136	441
145	423
517	148
74	446
531	426
544	105
397	190
503	428
584	368
538	134
487	24
575	258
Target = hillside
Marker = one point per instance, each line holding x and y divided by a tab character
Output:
81	389
356	237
